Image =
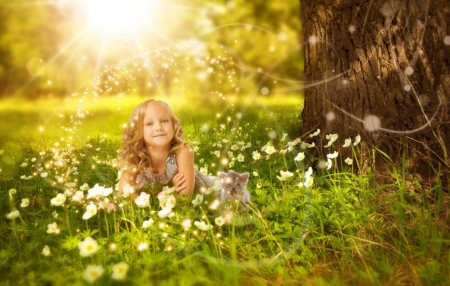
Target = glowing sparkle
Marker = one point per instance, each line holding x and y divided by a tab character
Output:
407	87
186	224
264	91
313	39
214	205
282	36
372	123
352	28
447	40
272	134
142	246
331	116
409	70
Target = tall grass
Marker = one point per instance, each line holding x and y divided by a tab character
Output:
345	228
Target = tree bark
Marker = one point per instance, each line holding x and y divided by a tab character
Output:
380	69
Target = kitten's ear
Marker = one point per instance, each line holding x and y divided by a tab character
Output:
221	175
244	176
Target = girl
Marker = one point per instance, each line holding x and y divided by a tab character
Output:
154	151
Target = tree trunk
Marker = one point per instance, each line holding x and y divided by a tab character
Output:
380	69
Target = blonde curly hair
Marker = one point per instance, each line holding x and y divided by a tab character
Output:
133	156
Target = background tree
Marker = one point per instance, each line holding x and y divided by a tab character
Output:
382	70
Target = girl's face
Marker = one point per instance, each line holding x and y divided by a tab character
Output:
158	126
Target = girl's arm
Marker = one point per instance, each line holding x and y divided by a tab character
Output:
185	179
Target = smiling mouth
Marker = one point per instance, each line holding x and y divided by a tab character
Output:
160	135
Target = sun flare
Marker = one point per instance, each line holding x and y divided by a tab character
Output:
119	15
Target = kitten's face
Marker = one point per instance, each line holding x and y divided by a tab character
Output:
233	183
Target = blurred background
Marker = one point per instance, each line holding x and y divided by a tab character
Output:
54	48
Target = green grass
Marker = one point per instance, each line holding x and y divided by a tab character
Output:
346	229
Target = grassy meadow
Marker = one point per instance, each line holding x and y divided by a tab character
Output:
333	225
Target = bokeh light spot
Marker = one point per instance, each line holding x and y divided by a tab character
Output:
372	123
331	116
272	134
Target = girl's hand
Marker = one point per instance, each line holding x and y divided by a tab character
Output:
179	182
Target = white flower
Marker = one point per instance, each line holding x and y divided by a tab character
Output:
357	140
332	138
347	142
78	196
97	191
70	184
143	200
333	155
219	221
166	191
54	214
107	192
12	192
270	149
120	270
255	174
58	200
167	202
13	214
240	158
300	156
283	137
309	180
230	154
285	175
349	161
42	153
329	164
24	164
46	251
202	225
259	185
147	223
312	145
164	213
314	134
231	164
217	153
91	210
256	155
88	246
44	174
204	171
198	200
92	273
25	203
84	187
52	227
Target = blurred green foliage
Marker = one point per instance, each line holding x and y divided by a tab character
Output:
49	48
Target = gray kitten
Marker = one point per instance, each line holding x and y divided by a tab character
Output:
234	187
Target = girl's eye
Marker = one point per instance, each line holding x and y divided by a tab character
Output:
149	124
165	120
